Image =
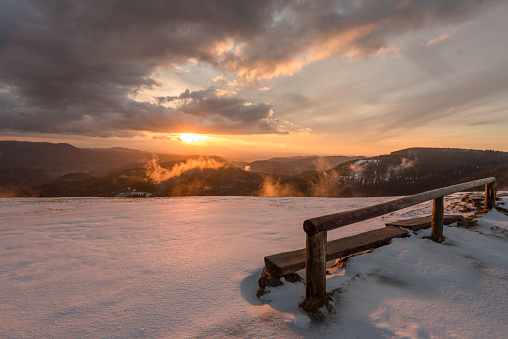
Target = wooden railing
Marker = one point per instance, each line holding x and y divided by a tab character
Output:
316	228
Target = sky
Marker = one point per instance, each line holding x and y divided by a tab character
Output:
253	79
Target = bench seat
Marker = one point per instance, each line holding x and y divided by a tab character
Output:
288	262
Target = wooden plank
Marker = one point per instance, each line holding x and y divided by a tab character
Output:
289	262
333	221
415	224
361	242
285	263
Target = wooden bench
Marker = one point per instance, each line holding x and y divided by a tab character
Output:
318	250
284	263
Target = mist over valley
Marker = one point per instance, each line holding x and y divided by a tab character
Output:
53	170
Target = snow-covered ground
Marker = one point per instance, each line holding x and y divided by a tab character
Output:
188	267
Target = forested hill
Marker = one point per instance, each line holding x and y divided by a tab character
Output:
31	170
296	165
402	172
414	170
60	159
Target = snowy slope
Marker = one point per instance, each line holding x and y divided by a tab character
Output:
188	267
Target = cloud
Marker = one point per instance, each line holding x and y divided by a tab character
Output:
308	31
478	88
161	137
72	67
438	39
208	103
226	111
219	79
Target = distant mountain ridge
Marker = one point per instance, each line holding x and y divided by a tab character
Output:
403	172
45	169
297	164
418	169
58	159
52	160
62	169
61	159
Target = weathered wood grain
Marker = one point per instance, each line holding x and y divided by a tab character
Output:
315	262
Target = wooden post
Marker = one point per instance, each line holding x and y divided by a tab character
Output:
490	196
315	266
438	220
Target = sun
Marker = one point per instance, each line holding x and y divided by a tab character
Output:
191	137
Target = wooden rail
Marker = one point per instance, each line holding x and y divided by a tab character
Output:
317	228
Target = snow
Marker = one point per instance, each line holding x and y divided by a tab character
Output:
366	161
188	267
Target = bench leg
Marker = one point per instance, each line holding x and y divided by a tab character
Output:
438	220
315	266
490	196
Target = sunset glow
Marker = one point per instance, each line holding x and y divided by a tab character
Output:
191	137
280	79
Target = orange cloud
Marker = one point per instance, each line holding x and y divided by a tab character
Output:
438	39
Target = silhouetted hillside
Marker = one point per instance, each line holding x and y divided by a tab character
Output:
23	176
84	185
61	159
499	172
414	170
229	180
403	172
25	164
295	165
196	181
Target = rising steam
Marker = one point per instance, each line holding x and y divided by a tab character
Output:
159	174
404	164
275	188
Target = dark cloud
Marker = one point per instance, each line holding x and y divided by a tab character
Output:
209	102
225	111
72	66
307	31
188	95
161	137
